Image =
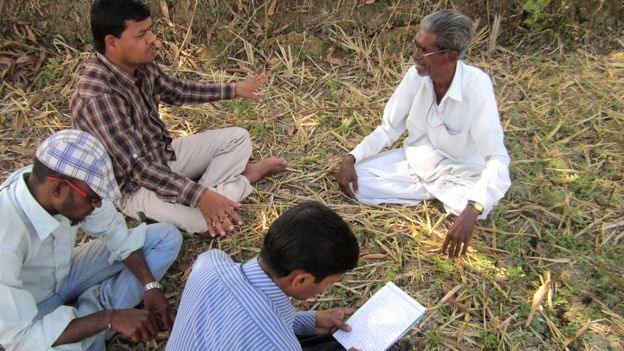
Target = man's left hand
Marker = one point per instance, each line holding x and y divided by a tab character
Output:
328	320
247	89
155	301
459	235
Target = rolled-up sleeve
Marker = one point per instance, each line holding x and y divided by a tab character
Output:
108	223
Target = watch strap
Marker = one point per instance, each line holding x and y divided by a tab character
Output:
152	285
477	206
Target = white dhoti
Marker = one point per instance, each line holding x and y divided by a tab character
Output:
387	178
454	149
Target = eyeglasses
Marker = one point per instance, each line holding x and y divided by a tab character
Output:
94	200
422	52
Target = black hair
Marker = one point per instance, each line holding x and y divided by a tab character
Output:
110	16
41	172
310	237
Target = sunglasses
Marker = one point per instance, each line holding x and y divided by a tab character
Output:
94	200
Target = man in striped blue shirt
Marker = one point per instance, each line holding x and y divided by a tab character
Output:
234	306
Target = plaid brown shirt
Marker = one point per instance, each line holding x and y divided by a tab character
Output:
122	111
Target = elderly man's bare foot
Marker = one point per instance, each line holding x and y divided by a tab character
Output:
256	171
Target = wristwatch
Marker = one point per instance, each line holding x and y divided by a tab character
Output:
152	285
477	206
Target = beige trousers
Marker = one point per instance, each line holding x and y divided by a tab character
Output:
215	159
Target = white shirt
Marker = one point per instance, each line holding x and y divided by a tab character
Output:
35	257
460	137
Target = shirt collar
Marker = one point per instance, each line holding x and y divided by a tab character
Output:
41	220
117	72
455	91
261	281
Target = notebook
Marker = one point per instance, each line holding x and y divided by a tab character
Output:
382	320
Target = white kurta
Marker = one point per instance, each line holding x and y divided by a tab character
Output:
454	150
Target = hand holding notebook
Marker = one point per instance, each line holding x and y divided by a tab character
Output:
382	320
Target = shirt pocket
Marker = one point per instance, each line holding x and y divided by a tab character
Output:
456	144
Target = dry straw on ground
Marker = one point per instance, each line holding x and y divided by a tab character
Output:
543	272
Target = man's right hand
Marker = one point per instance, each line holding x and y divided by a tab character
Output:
218	212
347	175
135	323
247	89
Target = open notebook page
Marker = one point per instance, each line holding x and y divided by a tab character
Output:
382	320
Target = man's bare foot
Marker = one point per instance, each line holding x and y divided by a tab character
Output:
256	171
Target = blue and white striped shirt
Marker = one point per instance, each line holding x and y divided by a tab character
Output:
233	306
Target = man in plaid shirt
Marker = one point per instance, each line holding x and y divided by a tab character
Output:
193	182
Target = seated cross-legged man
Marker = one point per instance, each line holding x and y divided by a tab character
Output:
232	306
454	149
194	182
56	295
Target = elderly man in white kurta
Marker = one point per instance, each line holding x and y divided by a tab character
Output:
454	149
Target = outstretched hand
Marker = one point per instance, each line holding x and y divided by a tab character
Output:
459	235
347	174
247	89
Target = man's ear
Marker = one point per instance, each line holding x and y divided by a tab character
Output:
301	279
452	56
58	190
111	42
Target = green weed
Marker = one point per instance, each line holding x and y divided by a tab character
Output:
52	72
241	108
536	16
259	131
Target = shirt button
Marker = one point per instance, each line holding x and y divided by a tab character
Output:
134	156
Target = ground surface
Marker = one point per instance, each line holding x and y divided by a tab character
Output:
559	77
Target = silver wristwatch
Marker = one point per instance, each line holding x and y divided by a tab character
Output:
152	285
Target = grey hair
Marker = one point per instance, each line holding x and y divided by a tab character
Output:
452	29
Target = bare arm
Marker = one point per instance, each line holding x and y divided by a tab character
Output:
131	322
84	327
137	265
153	299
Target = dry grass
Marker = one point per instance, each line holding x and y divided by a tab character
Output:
543	272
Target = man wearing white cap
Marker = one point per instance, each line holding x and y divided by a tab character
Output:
57	296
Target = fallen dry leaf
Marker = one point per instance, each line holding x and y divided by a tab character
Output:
165	12
272	8
374	256
333	60
538	296
581	331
